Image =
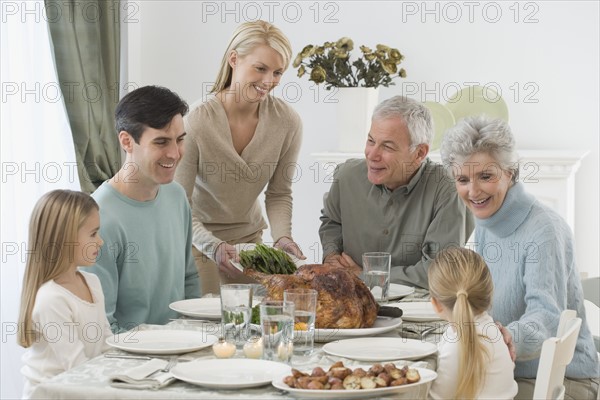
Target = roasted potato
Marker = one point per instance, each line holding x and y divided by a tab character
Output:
413	376
339	377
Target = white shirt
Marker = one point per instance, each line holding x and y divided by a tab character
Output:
499	379
72	331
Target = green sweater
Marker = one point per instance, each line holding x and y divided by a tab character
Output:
146	261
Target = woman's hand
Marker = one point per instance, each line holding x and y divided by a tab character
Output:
506	335
289	246
223	254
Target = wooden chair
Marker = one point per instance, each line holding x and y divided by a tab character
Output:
557	353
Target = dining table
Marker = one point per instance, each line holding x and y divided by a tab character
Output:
92	379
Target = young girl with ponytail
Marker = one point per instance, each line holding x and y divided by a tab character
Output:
473	360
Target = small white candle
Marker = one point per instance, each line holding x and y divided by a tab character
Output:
285	350
253	348
224	349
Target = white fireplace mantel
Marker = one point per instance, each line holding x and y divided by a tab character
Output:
548	174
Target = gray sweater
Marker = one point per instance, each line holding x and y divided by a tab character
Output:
413	222
529	250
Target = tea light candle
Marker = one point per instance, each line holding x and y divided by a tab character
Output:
224	349
285	350
253	348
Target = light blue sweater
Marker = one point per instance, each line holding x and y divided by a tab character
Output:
146	261
529	250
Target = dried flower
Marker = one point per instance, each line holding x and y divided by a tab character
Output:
318	75
331	64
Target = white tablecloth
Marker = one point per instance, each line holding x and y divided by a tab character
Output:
91	379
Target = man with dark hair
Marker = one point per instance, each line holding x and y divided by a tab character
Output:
146	261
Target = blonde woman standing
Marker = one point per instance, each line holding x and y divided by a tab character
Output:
473	360
241	141
62	321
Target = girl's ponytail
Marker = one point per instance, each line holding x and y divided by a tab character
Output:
460	280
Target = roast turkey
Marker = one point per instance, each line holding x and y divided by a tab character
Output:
343	300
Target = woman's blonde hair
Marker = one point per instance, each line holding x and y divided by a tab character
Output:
246	38
460	280
53	229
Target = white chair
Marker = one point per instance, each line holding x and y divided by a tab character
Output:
557	353
591	289
591	293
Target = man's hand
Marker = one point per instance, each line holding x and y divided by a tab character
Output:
223	254
289	246
506	335
333	259
343	260
349	263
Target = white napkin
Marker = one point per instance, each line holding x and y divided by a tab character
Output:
146	376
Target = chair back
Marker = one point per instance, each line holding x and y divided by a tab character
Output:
591	293
591	289
557	353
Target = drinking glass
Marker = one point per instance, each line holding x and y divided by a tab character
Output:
376	273
236	309
305	306
277	323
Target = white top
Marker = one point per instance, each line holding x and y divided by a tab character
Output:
72	331
499	381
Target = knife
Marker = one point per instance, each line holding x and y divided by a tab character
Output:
388	311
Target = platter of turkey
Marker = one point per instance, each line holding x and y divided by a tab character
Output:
345	306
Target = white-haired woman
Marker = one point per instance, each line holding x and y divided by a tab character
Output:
240	141
528	248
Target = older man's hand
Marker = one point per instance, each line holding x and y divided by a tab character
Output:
343	260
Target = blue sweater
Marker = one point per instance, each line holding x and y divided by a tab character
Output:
529	250
146	261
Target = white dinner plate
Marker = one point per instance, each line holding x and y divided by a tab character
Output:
380	349
417	311
250	246
397	291
231	373
163	341
207	308
381	325
427	376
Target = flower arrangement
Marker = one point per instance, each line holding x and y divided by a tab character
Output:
330	63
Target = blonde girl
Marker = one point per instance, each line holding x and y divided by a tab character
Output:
62	321
473	360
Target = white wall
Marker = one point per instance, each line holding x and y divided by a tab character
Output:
543	56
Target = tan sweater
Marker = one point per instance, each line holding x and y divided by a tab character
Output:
223	186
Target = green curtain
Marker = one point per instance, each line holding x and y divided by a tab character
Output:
86	40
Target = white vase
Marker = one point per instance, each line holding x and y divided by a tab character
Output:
354	110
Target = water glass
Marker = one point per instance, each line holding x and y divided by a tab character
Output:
277	323
376	274
305	306
236	309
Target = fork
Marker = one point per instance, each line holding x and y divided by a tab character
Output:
172	361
